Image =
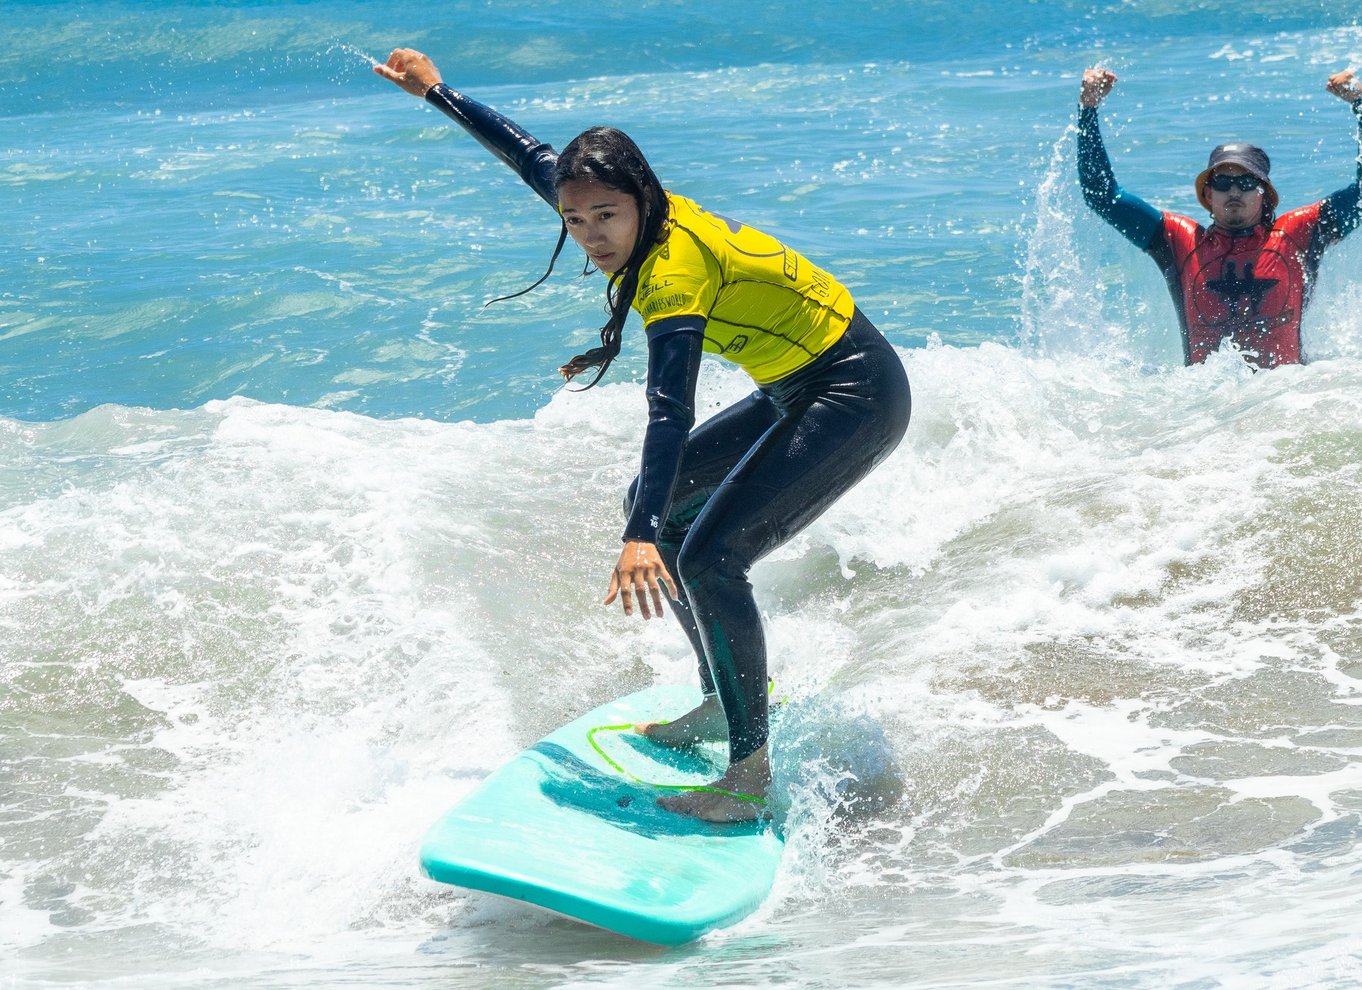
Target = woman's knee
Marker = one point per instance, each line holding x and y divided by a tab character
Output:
693	561
710	560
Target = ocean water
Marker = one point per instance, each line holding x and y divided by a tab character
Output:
298	541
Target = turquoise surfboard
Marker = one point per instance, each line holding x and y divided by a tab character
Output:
572	825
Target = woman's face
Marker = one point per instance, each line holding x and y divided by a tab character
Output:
603	221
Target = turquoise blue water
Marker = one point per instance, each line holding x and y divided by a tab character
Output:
299	540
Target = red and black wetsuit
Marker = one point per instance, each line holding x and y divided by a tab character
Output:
1249	286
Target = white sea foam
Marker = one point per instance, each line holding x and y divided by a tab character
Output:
1047	653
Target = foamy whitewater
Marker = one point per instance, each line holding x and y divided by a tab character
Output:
298	542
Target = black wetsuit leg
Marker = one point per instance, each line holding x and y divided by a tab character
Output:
713	449
754	476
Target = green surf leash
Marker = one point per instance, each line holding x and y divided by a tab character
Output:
591	738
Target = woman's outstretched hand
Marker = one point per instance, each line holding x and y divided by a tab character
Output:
410	70
640	574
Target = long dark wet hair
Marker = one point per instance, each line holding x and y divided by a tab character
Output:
610	157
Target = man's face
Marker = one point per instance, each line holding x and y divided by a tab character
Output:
1232	206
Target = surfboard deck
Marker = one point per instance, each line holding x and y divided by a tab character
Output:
572	825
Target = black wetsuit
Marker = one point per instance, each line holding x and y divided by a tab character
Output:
717	498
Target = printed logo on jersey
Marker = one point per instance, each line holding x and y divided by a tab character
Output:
651	286
1244	298
1241	293
663	304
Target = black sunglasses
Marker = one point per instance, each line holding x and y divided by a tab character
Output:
1221	182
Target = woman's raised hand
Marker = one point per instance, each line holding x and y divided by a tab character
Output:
410	70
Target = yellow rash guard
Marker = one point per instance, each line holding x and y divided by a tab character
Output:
766	308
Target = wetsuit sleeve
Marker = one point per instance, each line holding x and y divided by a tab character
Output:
1341	213
532	159
674	349
1137	221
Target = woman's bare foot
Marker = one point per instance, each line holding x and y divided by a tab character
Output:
704	723
730	798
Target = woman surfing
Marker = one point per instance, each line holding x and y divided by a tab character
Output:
831	402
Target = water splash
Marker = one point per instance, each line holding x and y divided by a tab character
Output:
349	49
1060	296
